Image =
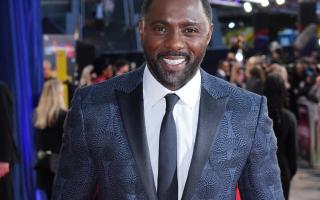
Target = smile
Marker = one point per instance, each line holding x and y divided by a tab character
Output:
173	61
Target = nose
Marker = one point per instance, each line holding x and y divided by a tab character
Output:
174	41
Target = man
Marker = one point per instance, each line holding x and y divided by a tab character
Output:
169	130
223	71
8	151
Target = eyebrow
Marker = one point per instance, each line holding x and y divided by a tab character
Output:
191	23
185	23
159	22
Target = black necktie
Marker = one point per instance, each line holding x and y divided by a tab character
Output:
167	174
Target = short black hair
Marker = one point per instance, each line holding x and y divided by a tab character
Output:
101	63
206	6
121	62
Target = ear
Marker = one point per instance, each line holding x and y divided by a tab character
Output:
141	28
209	35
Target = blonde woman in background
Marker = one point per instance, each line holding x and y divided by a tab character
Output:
49	117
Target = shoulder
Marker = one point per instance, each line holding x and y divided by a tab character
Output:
106	90
218	87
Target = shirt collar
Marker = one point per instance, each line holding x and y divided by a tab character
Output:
153	91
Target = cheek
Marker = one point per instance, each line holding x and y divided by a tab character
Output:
197	48
152	44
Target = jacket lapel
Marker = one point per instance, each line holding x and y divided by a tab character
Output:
210	114
132	113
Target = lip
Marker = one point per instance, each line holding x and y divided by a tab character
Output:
173	63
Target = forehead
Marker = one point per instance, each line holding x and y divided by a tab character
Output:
176	10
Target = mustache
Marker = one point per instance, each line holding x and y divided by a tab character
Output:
173	53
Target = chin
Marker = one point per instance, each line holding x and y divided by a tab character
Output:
173	80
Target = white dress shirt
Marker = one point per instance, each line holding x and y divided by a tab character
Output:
185	113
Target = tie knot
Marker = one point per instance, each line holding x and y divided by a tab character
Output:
171	100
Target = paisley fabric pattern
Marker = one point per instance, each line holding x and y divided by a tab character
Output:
96	150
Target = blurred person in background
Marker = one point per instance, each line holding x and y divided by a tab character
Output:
258	60
48	71
306	85
255	80
249	64
314	93
298	71
313	60
230	58
254	74
297	76
284	125
237	76
282	72
103	68
8	149
277	53
87	76
121	66
49	117
239	45
223	71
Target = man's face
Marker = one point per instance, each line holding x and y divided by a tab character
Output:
226	67
175	35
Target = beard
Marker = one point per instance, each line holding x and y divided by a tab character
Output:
173	80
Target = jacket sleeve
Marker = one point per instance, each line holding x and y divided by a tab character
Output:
76	178
260	178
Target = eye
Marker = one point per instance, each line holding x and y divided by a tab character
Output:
191	30
160	29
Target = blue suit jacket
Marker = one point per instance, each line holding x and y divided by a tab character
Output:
105	145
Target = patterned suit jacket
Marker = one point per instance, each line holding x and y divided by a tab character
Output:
105	145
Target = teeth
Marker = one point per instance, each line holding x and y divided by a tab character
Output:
173	62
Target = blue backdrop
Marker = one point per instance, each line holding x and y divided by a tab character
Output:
21	69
